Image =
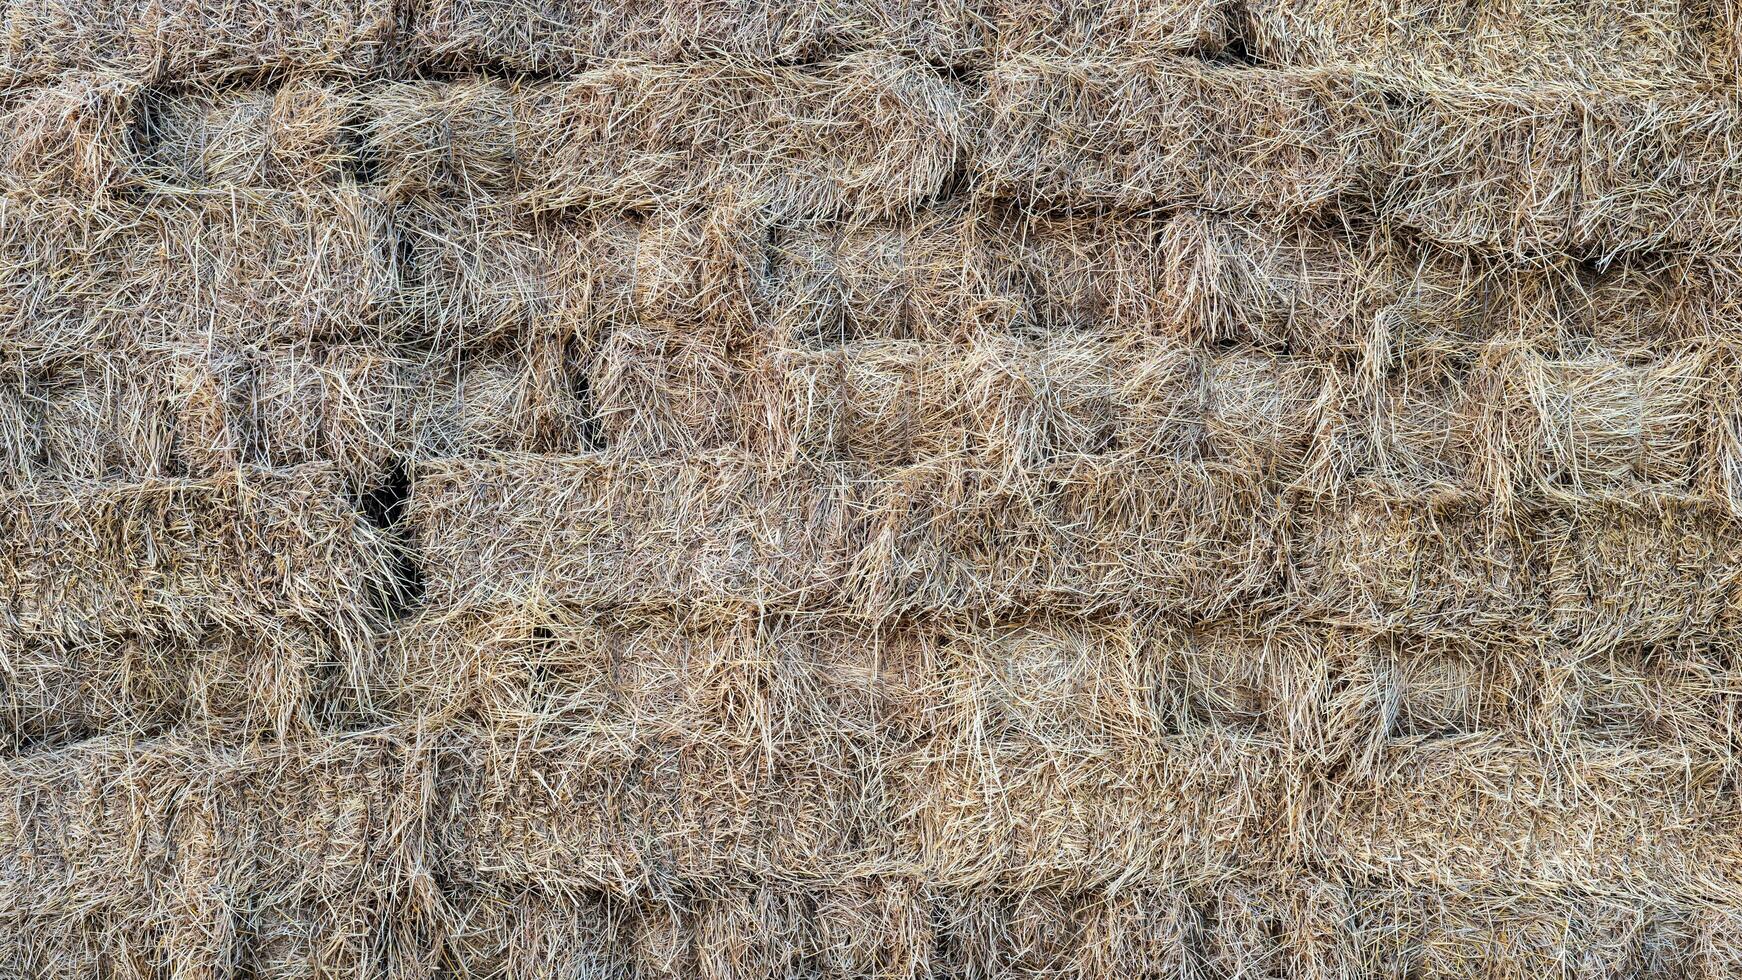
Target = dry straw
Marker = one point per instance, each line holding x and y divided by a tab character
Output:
869	489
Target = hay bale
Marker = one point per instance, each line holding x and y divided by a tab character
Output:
744	534
1652	569
869	133
521	400
1160	133
255	267
475	278
1535	41
223	682
1006	405
178	411
169	829
660	392
578	35
101	418
454	139
187	269
1078	535
1567	932
57	264
68	138
1593	425
1107	27
1463	814
295	137
249	549
1591	173
1420	563
343	406
1017	810
935	538
933	275
872	133
189	41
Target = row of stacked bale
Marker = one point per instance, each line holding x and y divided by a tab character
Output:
874	488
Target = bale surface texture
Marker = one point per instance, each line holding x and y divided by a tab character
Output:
870	489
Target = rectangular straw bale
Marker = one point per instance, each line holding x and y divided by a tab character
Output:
1592	425
1015	807
294	137
517	933
1001	404
1014	404
1442	933
255	266
665	392
526	399
1465	814
224	682
786	685
192	40
1535	41
1157	132
1094	275
59	259
1224	279
343	405
1283	921
141	414
1432	564
661	819
1667	694
870	133
1412	427
966	272
1077	535
1390	688
703	530
934	275
1592	173
181	268
469	276
577	35
443	139
156	843
1107	27
250	549
1651	569
934	538
474	277
69	137
105	416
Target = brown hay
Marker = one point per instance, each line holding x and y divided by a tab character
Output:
870	133
934	538
68	138
186	40
186	269
1139	132
580	35
1625	43
577	35
248	549
295	137
950	488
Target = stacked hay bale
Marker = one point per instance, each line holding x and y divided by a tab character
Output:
871	488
